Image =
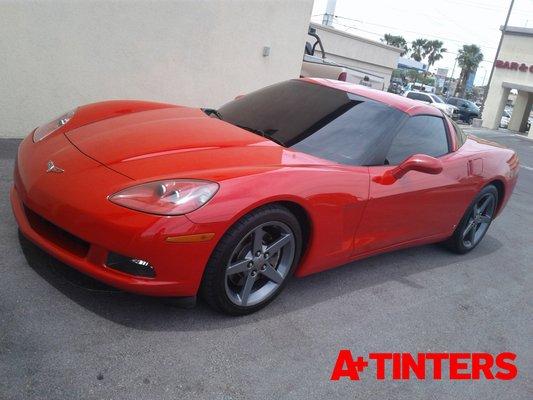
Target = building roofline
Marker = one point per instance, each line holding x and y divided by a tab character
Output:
351	36
517	30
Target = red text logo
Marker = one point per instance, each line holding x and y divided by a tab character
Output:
437	366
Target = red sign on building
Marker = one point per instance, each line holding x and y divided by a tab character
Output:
514	66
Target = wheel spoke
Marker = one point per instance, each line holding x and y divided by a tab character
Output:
271	273
469	229
239	266
484	219
279	244
245	293
483	207
473	231
259	234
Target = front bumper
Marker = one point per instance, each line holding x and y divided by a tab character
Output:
455	114
93	226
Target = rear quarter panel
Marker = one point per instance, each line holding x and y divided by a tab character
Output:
500	165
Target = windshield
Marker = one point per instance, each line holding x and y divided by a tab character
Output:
437	99
315	119
472	105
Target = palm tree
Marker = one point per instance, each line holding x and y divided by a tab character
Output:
433	51
468	59
417	49
396	41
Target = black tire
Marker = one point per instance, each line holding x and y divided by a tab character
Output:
464	240
214	282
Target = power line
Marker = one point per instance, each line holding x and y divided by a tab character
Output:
406	30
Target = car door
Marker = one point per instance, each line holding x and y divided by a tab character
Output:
418	206
463	110
426	98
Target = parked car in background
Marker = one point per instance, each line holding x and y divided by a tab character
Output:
419	87
321	67
433	100
467	109
316	67
506	117
395	88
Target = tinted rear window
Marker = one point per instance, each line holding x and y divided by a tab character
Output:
318	120
418	96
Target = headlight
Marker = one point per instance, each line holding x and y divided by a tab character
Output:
167	197
45	130
450	110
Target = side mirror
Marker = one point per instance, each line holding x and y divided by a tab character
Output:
418	162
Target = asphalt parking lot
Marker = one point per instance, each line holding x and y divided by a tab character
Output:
64	336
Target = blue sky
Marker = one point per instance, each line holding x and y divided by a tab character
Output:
455	22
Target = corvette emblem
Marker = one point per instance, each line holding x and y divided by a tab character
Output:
50	167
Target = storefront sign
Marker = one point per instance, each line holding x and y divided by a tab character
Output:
514	66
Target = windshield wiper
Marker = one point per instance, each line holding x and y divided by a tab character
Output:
212	111
265	134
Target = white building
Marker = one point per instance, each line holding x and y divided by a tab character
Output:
513	70
375	58
57	55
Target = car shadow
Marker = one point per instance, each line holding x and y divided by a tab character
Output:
153	314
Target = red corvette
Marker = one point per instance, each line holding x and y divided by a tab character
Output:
298	177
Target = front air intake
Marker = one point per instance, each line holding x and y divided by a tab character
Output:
131	266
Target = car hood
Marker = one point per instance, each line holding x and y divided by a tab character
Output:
444	106
178	142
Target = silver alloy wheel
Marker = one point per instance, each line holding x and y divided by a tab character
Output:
260	263
479	220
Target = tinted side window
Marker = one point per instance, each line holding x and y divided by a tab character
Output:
452	102
359	135
420	134
459	134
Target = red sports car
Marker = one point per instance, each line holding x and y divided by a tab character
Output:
298	177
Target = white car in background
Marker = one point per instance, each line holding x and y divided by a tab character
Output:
506	117
435	101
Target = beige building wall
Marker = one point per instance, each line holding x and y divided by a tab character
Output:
517	46
355	51
56	55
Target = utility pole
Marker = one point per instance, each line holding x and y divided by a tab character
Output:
484	76
496	57
451	77
330	13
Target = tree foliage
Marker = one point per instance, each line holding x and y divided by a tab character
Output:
468	59
433	51
396	41
417	49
